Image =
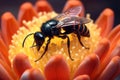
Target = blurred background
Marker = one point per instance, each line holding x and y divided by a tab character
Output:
94	7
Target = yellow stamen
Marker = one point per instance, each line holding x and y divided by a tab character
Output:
57	45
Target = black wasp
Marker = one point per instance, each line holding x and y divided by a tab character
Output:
69	21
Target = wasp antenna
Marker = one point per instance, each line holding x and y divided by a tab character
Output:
26	38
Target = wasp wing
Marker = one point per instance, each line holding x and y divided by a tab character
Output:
73	20
75	11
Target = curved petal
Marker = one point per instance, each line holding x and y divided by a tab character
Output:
3	47
73	3
21	63
115	52
111	69
26	12
105	62
9	26
114	37
117	72
102	48
43	5
105	21
57	69
114	32
82	77
6	73
32	74
4	59
92	61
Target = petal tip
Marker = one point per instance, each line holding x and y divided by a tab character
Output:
55	68
43	5
21	63
32	74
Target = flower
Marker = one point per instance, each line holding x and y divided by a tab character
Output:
100	62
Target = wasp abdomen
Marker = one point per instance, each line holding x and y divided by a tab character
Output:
84	31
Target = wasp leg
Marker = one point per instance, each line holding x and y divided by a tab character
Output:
46	48
78	36
38	47
68	44
33	45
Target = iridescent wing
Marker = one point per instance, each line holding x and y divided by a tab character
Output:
75	11
73	20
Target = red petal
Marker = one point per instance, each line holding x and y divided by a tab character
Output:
21	63
43	5
26	12
111	69
87	65
82	77
32	74
105	21
73	3
57	69
9	26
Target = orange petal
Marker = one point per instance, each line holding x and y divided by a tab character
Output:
105	21
4	51
82	77
21	63
57	69
73	3
104	63
102	48
118	71
115	52
4	75
32	74
43	5
111	69
5	59
3	47
87	65
26	12
114	32
9	26
7	71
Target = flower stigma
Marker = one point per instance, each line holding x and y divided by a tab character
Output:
57	45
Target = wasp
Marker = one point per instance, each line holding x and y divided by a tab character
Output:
69	21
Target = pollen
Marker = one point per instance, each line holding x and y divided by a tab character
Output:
57	45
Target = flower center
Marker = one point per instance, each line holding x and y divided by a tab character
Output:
56	46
